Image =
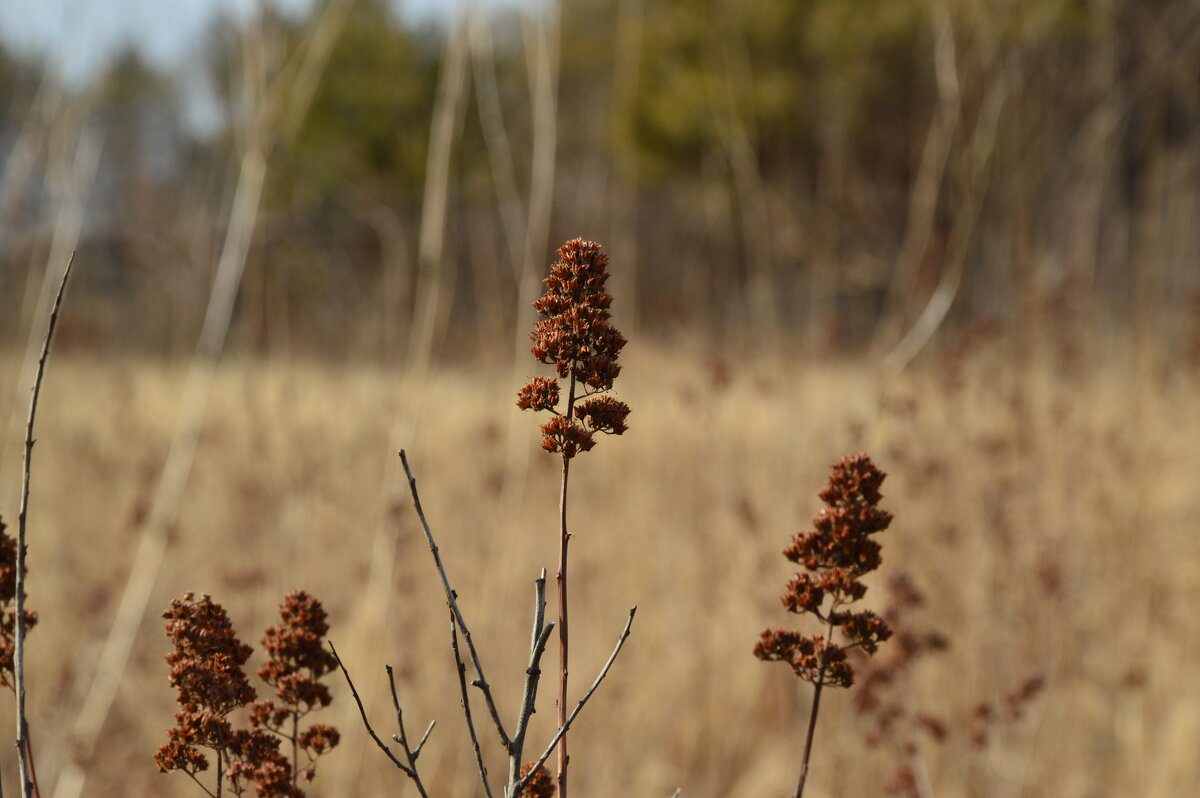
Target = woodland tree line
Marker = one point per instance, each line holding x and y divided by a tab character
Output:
842	176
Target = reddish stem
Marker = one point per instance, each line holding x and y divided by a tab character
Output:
812	716
563	539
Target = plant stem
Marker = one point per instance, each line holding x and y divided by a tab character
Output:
564	538
812	726
295	754
816	706
32	770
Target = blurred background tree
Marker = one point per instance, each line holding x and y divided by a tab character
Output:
845	176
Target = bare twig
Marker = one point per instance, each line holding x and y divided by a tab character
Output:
28	781
539	638
452	601
402	737
461	669
520	785
537	647
410	769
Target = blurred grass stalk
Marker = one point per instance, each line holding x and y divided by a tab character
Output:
272	105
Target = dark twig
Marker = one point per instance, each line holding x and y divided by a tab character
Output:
461	669
410	769
452	600
402	737
520	785
28	780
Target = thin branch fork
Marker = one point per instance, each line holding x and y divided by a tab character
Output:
514	744
520	785
28	780
539	638
402	737
410	754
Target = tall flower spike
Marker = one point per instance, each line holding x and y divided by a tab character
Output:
574	334
206	672
834	555
298	660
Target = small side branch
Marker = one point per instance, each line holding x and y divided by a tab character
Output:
402	737
28	780
520	785
452	601
411	755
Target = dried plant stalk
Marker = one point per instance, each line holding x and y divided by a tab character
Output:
28	780
834	555
574	335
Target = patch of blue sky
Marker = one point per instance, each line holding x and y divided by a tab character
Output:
80	37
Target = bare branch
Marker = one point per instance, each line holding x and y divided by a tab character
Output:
452	600
424	737
520	785
28	781
410	769
402	737
461	669
533	673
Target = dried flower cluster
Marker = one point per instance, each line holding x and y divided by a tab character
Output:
574	335
540	785
8	607
298	660
834	554
206	672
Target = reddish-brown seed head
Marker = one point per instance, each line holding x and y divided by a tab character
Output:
574	334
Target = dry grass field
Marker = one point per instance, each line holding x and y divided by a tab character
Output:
1048	513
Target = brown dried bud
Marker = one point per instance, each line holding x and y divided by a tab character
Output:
540	394
603	414
565	436
540	785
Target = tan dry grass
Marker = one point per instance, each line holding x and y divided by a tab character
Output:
1051	520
